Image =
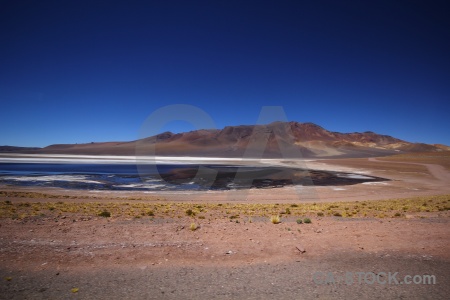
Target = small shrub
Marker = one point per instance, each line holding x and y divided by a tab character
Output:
294	205
150	213
288	211
189	212
193	227
320	214
275	219
307	220
105	214
336	214
397	214
299	221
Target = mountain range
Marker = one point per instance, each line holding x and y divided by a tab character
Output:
274	140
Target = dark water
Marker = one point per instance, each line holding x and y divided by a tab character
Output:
167	177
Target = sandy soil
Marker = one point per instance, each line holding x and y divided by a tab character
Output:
152	258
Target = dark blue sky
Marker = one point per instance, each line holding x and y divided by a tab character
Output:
82	71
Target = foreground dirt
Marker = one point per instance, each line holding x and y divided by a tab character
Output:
164	259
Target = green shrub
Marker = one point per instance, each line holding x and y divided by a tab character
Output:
307	220
299	221
105	214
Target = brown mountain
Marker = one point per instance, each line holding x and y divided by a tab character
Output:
278	139
14	149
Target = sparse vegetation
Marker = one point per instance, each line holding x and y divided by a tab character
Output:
275	219
193	227
371	209
299	221
307	220
105	214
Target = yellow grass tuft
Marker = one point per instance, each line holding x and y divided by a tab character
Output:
193	227
275	219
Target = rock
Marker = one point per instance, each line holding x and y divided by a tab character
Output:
301	249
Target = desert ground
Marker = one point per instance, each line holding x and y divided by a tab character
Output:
64	244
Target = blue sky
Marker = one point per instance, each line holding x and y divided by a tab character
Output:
82	71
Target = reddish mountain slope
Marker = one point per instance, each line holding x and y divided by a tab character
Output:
278	139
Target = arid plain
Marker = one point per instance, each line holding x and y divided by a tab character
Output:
58	243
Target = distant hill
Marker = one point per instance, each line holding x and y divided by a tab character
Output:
278	139
13	149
